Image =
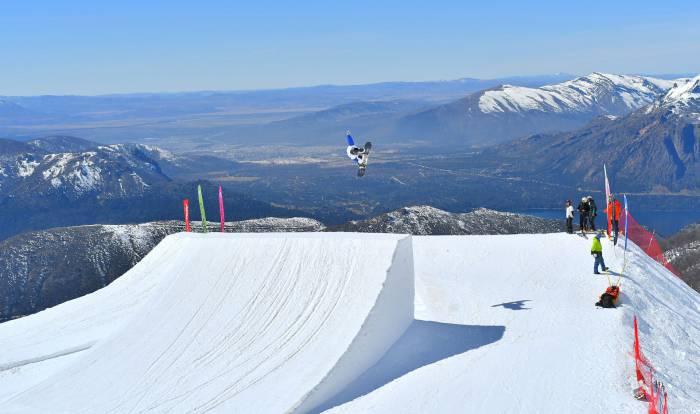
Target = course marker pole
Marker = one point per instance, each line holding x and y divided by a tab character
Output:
186	207
201	209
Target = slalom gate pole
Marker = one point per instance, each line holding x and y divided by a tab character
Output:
221	208
186	207
201	209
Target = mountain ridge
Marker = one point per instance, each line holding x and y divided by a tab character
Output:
507	112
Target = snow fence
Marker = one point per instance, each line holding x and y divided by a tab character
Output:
241	323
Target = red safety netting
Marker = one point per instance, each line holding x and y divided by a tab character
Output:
649	389
645	240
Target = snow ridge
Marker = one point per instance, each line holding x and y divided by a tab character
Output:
683	97
583	94
238	325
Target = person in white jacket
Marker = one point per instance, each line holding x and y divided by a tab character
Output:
569	217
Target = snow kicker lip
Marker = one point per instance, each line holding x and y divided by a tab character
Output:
389	318
294	318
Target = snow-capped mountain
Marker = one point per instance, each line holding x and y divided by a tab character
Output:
597	93
654	148
41	269
507	112
682	99
427	220
122	183
112	170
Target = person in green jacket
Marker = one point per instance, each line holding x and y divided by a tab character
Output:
597	252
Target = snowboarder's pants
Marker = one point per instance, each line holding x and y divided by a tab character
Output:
591	220
598	261
616	229
569	225
582	222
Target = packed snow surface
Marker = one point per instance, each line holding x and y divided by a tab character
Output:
315	322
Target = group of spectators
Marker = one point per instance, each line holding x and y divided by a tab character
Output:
588	211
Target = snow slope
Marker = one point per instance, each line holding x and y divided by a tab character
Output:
558	353
234	318
310	322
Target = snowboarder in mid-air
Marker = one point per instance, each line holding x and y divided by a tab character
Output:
358	154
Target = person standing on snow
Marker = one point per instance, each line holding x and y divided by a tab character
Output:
569	217
613	212
597	252
583	210
592	213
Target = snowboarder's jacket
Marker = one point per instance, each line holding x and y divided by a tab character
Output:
596	247
583	207
614	207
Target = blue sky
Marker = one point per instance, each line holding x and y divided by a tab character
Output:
91	47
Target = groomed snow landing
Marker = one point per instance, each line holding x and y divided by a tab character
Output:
234	323
532	339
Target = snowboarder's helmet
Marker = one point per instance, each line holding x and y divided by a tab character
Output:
584	199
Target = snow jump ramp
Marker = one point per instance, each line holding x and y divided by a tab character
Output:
237	323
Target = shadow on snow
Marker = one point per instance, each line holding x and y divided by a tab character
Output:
515	305
422	344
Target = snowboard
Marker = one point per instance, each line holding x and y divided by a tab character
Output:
362	166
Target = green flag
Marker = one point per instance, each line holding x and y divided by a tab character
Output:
201	208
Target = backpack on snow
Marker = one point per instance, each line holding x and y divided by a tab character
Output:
609	298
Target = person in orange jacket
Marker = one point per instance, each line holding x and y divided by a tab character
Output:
614	209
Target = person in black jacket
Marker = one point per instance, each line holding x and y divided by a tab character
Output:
592	213
583	209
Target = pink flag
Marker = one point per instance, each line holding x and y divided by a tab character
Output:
221	208
186	207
